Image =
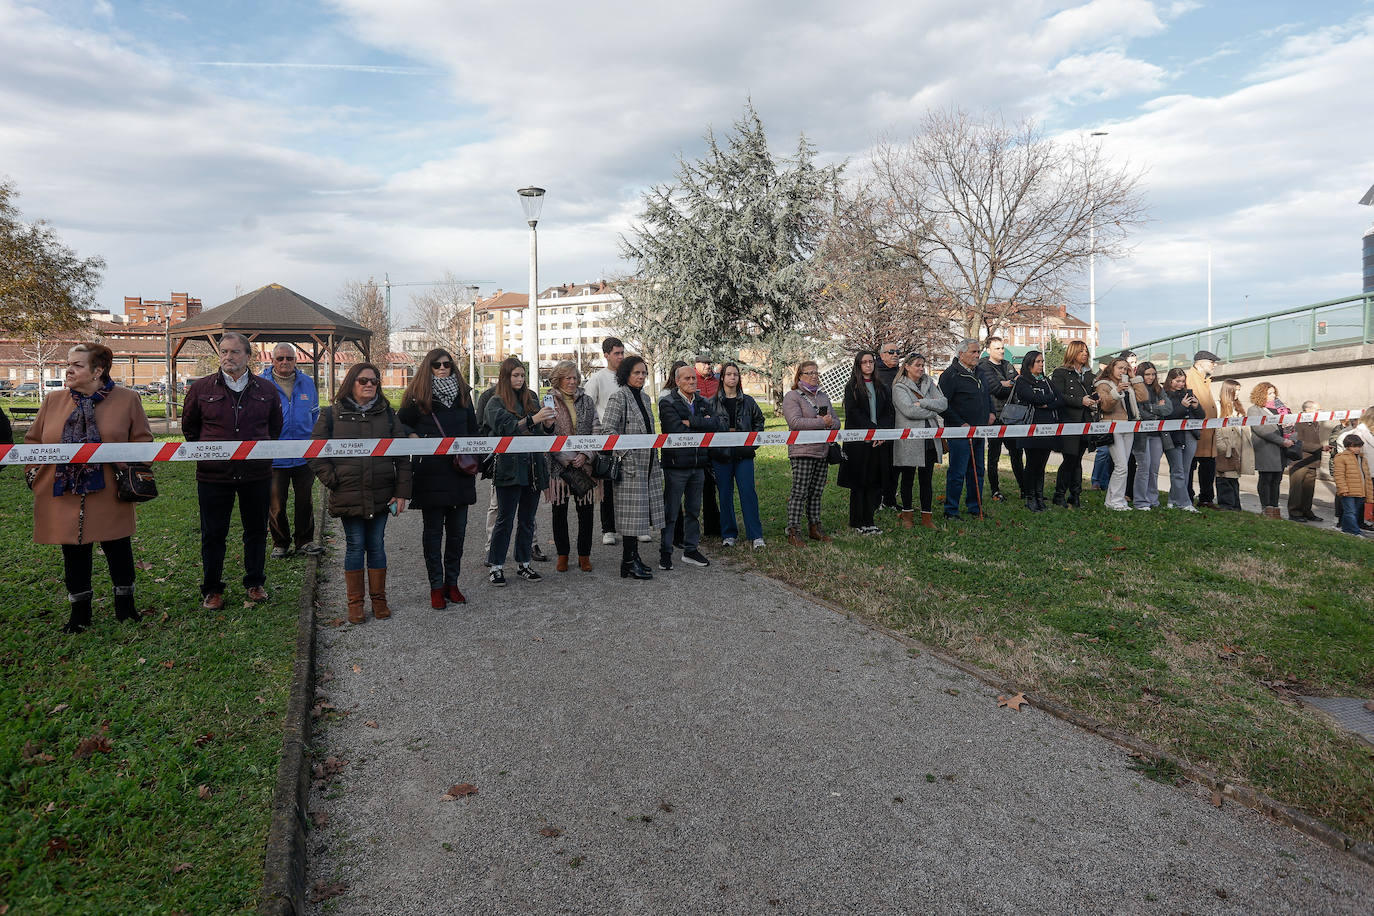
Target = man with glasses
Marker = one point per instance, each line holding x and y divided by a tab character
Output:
998	375
232	405
300	405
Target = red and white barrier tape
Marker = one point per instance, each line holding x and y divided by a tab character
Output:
363	448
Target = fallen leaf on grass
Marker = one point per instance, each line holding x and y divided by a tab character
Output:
56	846
357	669
1216	798
462	790
203	793
91	745
551	832
60	707
1015	702
181	867
205	739
370	724
52	806
169	664
144	565
322	891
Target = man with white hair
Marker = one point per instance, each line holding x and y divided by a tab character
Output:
1302	474
969	405
300	406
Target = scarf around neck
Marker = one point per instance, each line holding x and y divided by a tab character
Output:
80	427
445	389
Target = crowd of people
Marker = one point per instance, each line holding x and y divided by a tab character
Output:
675	496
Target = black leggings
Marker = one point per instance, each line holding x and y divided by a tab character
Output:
1268	487
1070	477
584	528
1036	459
907	476
77	560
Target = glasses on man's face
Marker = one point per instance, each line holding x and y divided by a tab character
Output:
889	353
441	364
285	359
366	381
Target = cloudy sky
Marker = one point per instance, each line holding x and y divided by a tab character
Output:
212	147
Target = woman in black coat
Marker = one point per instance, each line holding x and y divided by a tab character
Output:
867	405
1033	388
438	403
1074	383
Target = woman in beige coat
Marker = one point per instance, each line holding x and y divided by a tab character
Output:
74	505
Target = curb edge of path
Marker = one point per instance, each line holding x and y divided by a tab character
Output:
1276	811
284	861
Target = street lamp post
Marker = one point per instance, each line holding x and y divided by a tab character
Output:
532	202
1092	269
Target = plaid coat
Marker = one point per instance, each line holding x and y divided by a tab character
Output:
639	494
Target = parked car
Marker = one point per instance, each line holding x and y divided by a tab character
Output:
26	390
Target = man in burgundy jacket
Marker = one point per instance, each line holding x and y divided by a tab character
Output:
232	405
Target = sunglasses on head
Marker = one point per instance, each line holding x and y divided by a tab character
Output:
441	364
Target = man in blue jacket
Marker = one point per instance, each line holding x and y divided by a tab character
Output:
300	405
969	405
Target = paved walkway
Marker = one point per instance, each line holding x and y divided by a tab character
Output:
710	742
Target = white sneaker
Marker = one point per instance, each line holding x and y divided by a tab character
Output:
645	538
759	544
1120	508
608	539
1187	509
1142	508
727	542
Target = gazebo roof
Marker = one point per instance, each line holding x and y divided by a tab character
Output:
272	309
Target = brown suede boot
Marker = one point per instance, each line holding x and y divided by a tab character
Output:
794	538
584	563
814	532
353	578
562	564
376	587
908	518
927	521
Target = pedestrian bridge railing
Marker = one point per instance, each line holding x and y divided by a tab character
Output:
1338	323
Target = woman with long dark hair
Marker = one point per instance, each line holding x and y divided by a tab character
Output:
363	491
520	477
736	412
639	509
919	404
1034	388
1074	383
1148	447
437	404
75	505
867	405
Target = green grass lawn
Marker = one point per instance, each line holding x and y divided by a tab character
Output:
1191	632
181	700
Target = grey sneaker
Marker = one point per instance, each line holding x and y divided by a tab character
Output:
280	553
759	544
727	542
312	549
608	539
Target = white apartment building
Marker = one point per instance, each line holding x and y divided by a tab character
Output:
573	320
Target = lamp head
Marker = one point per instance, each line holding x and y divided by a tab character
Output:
532	202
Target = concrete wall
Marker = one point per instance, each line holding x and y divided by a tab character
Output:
1342	377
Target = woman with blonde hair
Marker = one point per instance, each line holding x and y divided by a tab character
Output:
1229	442
438	404
1074	382
76	505
518	478
807	406
1118	401
1270	444
574	415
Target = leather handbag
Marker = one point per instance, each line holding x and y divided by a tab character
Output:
134	482
1014	413
469	465
577	480
607	466
834	454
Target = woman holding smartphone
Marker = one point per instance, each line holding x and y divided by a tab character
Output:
806	406
363	491
1118	402
518	478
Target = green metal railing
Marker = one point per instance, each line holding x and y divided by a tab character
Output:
1337	323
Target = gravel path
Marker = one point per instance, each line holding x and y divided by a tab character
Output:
710	742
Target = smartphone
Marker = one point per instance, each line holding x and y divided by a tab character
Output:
393	508
822	410
548	400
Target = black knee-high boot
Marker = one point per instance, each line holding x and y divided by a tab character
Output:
124	603
81	613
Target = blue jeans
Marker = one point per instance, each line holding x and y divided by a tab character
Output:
1352	509
740	474
1102	467
364	538
965	461
515	509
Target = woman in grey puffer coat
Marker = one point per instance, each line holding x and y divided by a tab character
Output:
919	404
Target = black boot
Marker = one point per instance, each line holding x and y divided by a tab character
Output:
124	603
81	613
630	564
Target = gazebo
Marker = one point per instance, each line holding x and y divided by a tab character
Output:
278	314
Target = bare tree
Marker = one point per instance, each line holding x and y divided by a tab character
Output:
42	350
365	303
871	292
999	217
442	314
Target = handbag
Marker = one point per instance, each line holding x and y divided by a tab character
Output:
607	466
834	454
1014	413
134	482
1294	451
469	465
578	480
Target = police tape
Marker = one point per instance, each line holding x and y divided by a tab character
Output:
268	449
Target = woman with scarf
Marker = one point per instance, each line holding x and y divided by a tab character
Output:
639	509
75	505
867	405
574	415
1118	402
919	404
1228	443
518	478
1270	444
1034	388
1148	447
806	406
363	491
438	404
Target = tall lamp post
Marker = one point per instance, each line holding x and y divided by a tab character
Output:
1092	269
532	202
